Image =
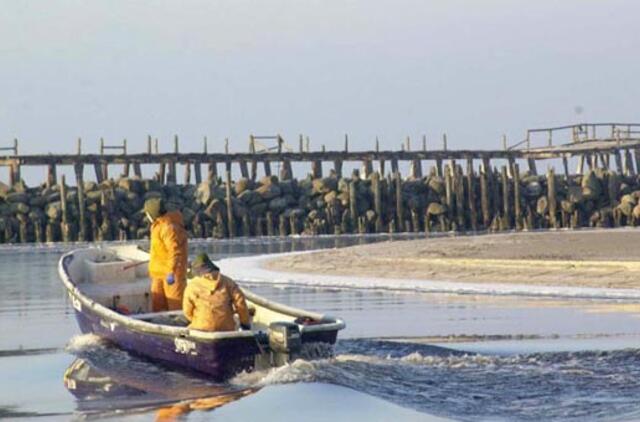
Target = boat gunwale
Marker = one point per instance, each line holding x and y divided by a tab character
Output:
137	325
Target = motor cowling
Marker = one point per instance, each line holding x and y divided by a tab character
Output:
285	340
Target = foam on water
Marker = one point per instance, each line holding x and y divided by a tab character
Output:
84	342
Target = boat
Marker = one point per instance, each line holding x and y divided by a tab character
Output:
109	290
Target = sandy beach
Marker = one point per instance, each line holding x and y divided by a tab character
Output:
591	258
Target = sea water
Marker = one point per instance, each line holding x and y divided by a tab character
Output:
404	355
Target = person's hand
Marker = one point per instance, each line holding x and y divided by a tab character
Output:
245	327
170	279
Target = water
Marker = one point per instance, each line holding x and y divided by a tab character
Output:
407	355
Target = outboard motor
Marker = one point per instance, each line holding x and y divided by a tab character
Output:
285	341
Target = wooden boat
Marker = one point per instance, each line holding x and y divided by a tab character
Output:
109	289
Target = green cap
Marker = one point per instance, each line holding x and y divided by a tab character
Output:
201	264
154	207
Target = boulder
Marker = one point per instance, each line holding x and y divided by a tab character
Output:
250	197
17	197
436	208
278	205
324	185
241	185
19	208
268	192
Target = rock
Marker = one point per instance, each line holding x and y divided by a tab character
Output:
90	186
250	197
214	207
343	186
370	216
268	192
436	208
542	205
4	190
533	189
574	194
288	187
20	187
331	197
19	208
567	206
241	185
153	194
38	201
54	211
269	180
17	197
436	183
131	184
324	185
259	209
636	212
591	187
278	205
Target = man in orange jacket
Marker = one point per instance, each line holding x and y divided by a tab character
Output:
211	299
168	260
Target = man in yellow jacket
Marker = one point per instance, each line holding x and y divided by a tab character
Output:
211	299
168	260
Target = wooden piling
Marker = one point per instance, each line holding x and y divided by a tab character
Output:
286	172
187	173
484	195
471	194
517	212
353	205
532	166
506	210
51	175
267	167
66	229
161	172
399	204
337	166
171	176
98	170
448	187
377	200
197	166
212	171
618	161
137	169
231	224
316	169
459	193
244	170
82	222
551	196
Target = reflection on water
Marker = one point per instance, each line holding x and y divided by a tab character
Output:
107	381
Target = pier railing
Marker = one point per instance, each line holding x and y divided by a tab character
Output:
577	133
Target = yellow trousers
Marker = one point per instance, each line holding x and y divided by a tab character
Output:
165	297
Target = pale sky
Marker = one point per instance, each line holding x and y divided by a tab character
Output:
476	70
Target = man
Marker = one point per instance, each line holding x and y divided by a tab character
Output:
168	260
211	299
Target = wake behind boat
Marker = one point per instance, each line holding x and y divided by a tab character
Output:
110	291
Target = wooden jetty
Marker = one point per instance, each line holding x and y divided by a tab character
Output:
480	196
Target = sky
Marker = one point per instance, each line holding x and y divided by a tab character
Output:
474	70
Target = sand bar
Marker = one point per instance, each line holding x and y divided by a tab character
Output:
590	258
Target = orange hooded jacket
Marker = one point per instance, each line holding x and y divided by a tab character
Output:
168	252
209	303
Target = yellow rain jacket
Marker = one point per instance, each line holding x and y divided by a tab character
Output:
209	303
168	254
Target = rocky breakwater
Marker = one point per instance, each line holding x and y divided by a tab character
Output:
492	200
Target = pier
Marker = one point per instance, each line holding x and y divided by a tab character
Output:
444	189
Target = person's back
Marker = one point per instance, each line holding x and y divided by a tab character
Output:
210	301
